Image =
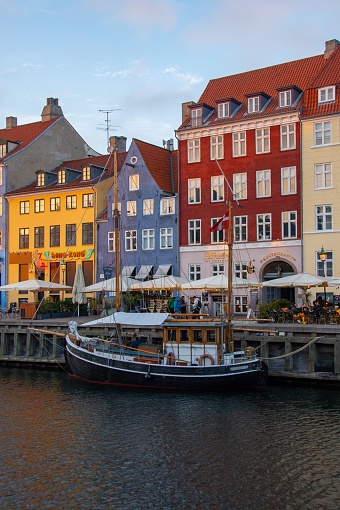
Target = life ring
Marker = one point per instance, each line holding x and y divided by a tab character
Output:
171	358
205	356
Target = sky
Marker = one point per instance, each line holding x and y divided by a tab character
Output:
140	60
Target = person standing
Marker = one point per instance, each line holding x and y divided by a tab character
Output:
177	305
183	305
171	303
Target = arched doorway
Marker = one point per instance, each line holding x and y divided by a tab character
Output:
277	269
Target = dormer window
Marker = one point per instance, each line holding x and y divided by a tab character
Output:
61	177
223	110
87	173
199	114
196	117
285	98
253	104
41	179
257	101
3	150
326	95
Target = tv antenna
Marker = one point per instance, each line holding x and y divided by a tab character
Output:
107	122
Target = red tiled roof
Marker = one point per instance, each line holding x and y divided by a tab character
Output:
25	134
158	163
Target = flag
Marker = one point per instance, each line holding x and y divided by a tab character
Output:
221	224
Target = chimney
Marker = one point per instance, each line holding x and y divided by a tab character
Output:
330	47
118	142
52	110
186	110
11	122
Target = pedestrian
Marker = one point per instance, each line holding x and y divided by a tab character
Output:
171	303
183	305
177	305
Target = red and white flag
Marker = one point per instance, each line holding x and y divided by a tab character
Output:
221	224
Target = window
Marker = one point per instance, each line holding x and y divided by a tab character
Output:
287	137
325	268
39	235
0	238
322	133
55	235
194	151
324	217
223	110
88	200
196	117
24	238
194	231
264	225
217	269
55	204
241	270
130	240
285	98
3	150
39	205
289	224
323	175
24	207
148	206
110	241
288	180
219	235
61	176
216	147
148	239
194	191
41	179
87	173
240	304
0	206
71	234
166	238
239	144
1	167
167	206
194	272
326	94
253	104
263	184
240	228
240	186
87	233
217	188
71	202
133	182
131	208
262	140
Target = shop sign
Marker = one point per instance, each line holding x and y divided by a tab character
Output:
277	254
212	256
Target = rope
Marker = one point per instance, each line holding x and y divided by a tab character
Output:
294	352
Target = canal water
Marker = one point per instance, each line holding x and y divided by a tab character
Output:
66	444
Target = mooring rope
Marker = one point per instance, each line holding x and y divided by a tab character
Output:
297	350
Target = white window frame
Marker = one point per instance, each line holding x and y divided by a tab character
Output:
263	184
285	98
166	238
262	139
194	150
148	239
130	240
241	270
240	304
194	191
131	208
219	235
240	229
289	224
323	218
24	207
217	188
148	206
167	206
39	205
326	266
239	144
323	176
110	242
194	232
287	137
264	227
326	95
194	272
196	117
288	180
216	147
322	133
134	182
217	268
240	191
223	110
253	104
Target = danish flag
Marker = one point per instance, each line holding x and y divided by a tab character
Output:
221	224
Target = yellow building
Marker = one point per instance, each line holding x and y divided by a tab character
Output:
321	171
51	224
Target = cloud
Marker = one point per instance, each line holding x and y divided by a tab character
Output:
137	68
188	78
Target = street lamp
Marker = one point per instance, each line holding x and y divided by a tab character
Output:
63	269
323	258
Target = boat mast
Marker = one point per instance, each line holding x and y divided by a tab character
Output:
116	225
229	337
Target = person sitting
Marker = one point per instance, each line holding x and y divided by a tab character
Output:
317	307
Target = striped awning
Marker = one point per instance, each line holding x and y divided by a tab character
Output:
144	272
162	270
128	270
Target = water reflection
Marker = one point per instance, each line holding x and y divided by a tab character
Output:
68	444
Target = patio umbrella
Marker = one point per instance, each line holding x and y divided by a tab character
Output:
78	294
300	280
110	285
34	285
219	281
163	283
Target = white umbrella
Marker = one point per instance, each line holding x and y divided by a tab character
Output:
301	280
34	285
219	281
110	285
78	294
163	283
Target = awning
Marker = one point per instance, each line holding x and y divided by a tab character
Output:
128	270
144	272
163	270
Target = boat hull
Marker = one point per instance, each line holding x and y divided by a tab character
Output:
94	367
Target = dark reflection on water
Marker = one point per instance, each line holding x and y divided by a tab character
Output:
67	444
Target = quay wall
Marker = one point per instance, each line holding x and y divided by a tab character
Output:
318	363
